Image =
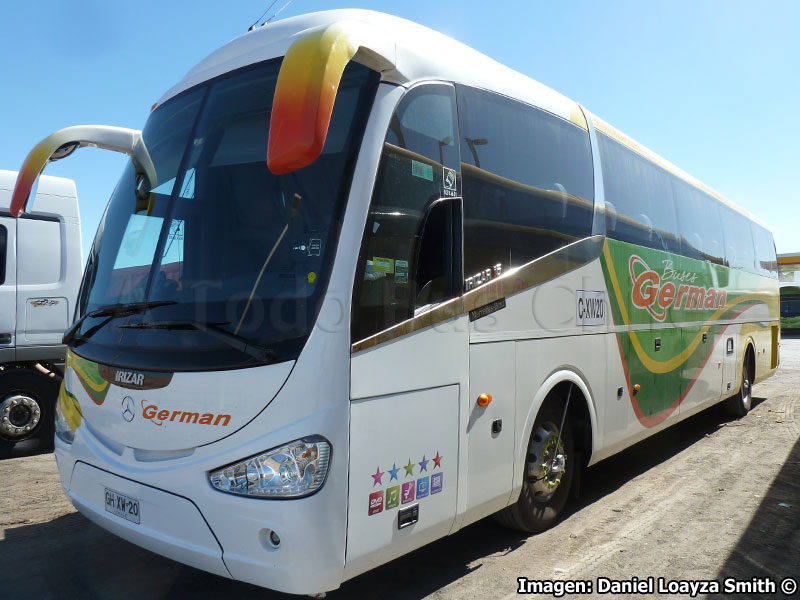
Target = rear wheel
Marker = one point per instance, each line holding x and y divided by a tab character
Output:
549	471
739	405
27	404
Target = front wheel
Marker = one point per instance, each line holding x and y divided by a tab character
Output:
27	404
549	470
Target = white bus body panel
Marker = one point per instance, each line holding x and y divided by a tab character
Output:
392	435
170	418
491	465
170	525
417	404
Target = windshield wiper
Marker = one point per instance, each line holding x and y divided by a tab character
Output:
233	340
292	212
111	311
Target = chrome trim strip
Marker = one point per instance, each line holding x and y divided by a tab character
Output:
541	270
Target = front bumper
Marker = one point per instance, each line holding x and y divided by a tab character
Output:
183	518
169	525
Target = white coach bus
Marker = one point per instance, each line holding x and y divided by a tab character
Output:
360	286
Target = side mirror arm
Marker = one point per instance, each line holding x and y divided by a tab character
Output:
65	141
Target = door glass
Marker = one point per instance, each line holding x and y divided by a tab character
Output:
409	251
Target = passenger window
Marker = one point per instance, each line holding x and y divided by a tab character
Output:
766	259
739	250
698	223
638	195
3	243
410	254
528	183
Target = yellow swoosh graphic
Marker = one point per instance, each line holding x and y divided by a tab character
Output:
77	365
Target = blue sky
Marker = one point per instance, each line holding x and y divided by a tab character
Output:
712	85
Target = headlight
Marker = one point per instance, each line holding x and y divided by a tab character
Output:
68	415
293	470
63	430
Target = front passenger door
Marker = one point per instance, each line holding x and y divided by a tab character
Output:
409	365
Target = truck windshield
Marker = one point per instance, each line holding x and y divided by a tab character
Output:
218	232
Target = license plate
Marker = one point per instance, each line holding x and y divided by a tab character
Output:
122	506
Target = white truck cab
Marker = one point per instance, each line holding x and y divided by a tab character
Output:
40	272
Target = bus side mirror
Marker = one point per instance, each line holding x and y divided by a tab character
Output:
65	141
307	84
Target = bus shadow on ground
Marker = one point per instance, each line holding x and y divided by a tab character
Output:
609	475
770	546
70	557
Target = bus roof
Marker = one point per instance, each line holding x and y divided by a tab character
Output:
421	53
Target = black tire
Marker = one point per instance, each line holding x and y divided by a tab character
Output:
739	404
43	390
536	510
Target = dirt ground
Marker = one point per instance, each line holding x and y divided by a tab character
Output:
708	499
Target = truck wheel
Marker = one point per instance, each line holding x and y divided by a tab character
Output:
739	405
27	412
547	478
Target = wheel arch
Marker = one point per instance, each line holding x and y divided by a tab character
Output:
750	355
583	414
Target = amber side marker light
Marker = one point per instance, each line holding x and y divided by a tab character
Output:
484	399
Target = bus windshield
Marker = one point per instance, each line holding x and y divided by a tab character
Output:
218	239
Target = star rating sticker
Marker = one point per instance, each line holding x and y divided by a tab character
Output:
423	465
376	479
437	461
393	471
409	468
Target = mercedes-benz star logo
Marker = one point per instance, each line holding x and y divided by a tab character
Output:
128	408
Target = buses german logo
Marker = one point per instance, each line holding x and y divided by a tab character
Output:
656	292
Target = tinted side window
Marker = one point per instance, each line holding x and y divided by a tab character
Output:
698	223
527	177
410	254
766	260
3	242
638	195
739	250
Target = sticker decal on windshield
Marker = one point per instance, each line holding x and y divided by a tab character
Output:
382	265
421	170
401	271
